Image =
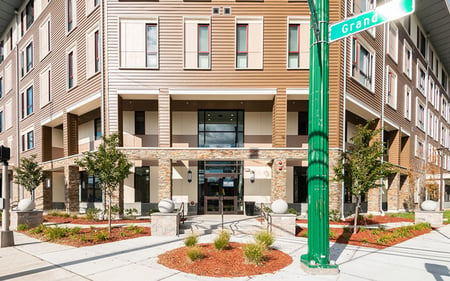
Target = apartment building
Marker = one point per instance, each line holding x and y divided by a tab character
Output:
211	97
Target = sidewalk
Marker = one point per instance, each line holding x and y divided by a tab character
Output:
422	258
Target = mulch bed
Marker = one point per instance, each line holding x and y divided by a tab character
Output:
226	263
83	220
365	221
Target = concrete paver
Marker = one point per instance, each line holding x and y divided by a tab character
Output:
426	257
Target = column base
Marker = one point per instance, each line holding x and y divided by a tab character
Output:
7	238
317	269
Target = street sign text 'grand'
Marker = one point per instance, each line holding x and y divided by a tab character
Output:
387	12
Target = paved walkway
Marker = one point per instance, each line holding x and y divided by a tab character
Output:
426	257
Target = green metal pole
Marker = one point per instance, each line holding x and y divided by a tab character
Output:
318	201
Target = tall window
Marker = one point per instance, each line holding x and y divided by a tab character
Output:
303	123
2	52
151	45
28	140
70	15
222	128
45	87
407	112
90	190
44	39
407	60
142	184
26	99
30	13
421	78
1	87
298	43
203	46
70	69
139	122
391	91
294	46
444	79
29	56
393	41
97	129
300	184
421	42
97	51
362	64
420	115
242	46
2	121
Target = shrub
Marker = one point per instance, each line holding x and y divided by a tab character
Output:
382	239
346	236
362	229
92	213
304	234
254	253
66	215
38	229
264	237
222	241
293	211
369	216
123	234
332	234
422	226
135	229
55	214
194	253
22	227
74	217
364	240
82	238
55	233
191	240
101	236
74	230
335	215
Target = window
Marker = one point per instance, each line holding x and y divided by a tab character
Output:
430	127
221	128
8	78
90	190
22	19
90	6
419	152
420	115
1	87
45	87
421	77
44	39
391	88
28	140
444	108
360	6
242	46
197	43
26	59
431	92
11	43
300	184
30	13
443	79
436	97
139	122
26	99
298	45
97	129
249	43
362	64
303	123
71	14
432	60
142	184
151	45
93	52
393	41
70	68
407	99
139	43
421	42
29	56
2	52
1	122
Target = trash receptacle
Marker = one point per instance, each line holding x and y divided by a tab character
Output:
250	208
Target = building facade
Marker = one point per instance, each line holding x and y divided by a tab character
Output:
211	97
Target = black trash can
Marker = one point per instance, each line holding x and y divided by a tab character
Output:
250	208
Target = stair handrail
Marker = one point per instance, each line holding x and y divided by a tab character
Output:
265	215
181	212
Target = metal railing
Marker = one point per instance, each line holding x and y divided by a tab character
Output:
265	216
181	212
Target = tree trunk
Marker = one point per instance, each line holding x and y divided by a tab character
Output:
356	215
109	213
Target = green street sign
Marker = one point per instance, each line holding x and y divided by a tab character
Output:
387	12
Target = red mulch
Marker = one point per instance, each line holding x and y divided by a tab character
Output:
83	220
226	263
87	236
364	238
365	221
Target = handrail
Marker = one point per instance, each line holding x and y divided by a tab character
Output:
181	212
266	216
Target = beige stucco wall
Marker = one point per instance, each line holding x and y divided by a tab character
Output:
292	123
57	138
180	185
184	123
258	123
260	190
154	184
151	127
58	186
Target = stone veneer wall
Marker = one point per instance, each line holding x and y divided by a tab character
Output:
72	182
394	194
279	181
165	179
335	188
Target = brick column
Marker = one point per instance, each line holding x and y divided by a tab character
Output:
335	188
164	130
165	179
72	181
394	193
279	119
373	196
394	158
70	131
279	180
48	194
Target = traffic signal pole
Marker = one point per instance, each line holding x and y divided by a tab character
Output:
318	198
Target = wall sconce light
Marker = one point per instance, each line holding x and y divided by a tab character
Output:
252	176
189	176
48	182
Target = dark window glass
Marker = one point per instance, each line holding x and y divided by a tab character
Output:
142	184
303	123
30	13
69	15
1	52
70	66
98	128
29	100
139	123
30	56
90	190
30	140
223	128
300	184
1	87
97	51
1	121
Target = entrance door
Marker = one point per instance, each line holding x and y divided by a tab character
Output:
222	187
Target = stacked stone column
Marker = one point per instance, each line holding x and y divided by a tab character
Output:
72	181
279	132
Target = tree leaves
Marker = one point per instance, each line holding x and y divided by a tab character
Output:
29	174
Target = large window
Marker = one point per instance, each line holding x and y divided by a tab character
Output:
90	190
249	43
26	59
97	129
294	46
139	43
300	184
203	46
27	140
220	128
242	46
30	13
27	102
303	123
298	45
139	122
142	184
362	64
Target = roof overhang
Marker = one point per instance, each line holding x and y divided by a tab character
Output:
7	12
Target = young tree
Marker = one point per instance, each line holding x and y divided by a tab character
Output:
109	165
29	174
360	167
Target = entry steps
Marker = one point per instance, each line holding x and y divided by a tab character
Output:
211	224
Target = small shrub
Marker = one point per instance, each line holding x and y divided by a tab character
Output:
135	229
74	230
375	232
362	229
101	236
194	253
364	240
191	240
92	213
123	234
74	217
54	214
381	240
55	233
22	227
222	242
293	211
130	212
422	226
254	253
335	215
66	215
332	234
38	229
304	234
346	236
264	237
369	216
82	238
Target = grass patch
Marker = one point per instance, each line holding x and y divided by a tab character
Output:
22	227
264	237
254	253
333	235
191	240
194	253
447	215
222	242
406	215
54	233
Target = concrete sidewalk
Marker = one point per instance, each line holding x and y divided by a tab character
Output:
423	258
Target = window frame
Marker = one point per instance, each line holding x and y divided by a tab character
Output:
298	45
209	46
71	72
237	44
419	113
2	88
407	100
2	120
27	138
70	16
26	104
29	8
355	63
420	68
391	87
156	25
395	28
97	51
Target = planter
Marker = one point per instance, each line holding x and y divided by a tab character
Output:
429	205
26	205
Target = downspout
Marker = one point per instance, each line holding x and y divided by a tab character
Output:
344	110
17	111
382	112
102	94
427	89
